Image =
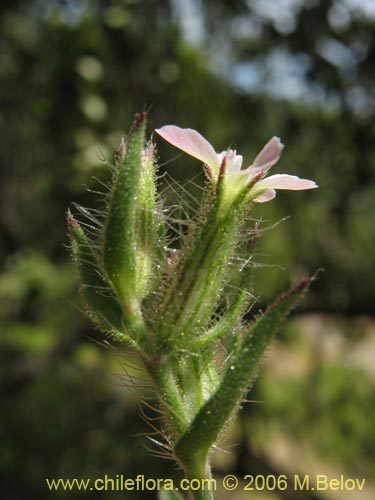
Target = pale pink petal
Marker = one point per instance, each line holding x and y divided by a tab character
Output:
284	181
191	142
266	196
269	155
233	160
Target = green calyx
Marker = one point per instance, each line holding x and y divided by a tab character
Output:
196	289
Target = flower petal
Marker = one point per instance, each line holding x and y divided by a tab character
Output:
285	181
269	155
191	142
233	160
266	196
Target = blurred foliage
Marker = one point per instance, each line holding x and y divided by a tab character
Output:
328	384
72	75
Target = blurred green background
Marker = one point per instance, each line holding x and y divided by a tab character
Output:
72	75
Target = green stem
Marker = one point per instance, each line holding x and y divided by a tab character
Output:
201	471
161	371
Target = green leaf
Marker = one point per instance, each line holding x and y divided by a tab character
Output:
101	303
210	422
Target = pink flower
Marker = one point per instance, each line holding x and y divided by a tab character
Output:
263	189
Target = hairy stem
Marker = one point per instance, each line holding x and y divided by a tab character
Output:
202	472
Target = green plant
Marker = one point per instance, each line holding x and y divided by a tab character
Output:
177	307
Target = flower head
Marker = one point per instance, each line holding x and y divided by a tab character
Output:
263	189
